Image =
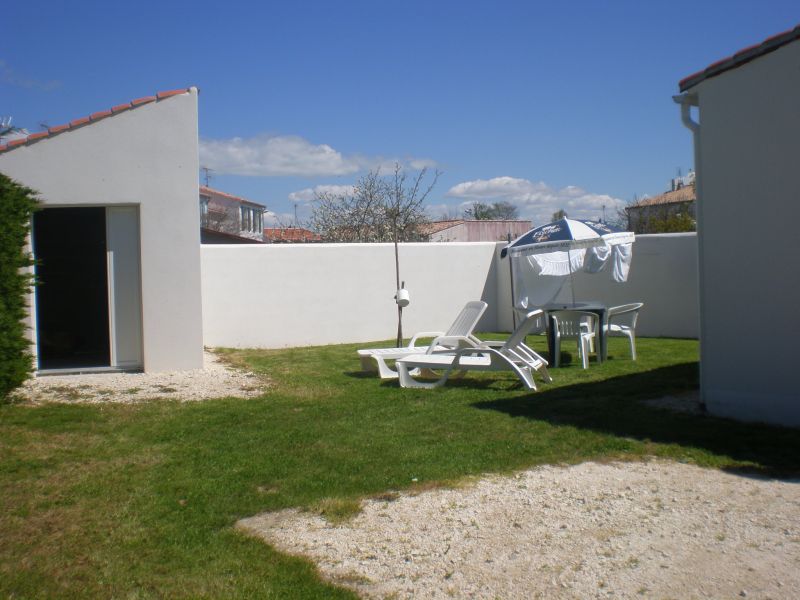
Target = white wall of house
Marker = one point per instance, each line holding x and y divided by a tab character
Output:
748	212
146	157
295	295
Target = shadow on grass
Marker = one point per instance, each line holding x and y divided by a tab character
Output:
613	406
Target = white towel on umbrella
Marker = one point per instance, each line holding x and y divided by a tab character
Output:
622	261
558	263
596	258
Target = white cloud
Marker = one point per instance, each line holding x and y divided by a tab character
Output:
274	156
536	200
288	155
308	194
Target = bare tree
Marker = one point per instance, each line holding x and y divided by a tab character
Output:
559	214
378	210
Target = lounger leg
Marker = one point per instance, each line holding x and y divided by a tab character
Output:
407	381
384	370
546	375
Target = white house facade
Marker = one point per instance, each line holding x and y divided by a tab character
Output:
118	238
747	152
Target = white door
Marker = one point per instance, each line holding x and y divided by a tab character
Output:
124	286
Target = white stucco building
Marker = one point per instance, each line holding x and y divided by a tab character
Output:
747	157
118	238
229	219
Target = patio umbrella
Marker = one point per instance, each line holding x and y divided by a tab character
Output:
560	248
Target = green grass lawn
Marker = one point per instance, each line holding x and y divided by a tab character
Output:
139	501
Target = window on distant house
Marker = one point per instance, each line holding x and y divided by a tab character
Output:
204	209
251	219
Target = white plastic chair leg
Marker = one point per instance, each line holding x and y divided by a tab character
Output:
632	338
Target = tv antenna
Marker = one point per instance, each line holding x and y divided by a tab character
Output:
206	174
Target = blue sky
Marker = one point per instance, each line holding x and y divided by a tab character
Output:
542	104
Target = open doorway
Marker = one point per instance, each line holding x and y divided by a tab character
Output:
72	312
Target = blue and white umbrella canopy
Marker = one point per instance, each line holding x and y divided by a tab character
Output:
566	234
542	257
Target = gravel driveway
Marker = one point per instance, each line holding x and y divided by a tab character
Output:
624	530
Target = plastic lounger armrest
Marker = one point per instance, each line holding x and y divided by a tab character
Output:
453	341
424	334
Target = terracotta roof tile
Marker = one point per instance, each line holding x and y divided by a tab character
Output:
169	94
145	100
93	118
101	115
204	189
741	57
290	234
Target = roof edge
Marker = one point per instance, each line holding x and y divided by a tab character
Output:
740	58
92	118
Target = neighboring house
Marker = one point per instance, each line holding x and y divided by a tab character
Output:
463	230
117	242
229	219
746	147
290	235
652	215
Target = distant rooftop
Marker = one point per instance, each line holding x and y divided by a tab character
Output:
286	235
684	194
204	189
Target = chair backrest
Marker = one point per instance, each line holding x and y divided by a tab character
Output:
533	323
467	319
625	312
568	323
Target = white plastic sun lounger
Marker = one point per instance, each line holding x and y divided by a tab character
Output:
511	355
458	336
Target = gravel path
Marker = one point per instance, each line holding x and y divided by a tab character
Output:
624	530
214	380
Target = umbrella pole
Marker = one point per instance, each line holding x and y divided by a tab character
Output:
571	278
513	298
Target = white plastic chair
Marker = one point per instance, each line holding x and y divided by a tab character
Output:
512	355
459	335
574	324
622	320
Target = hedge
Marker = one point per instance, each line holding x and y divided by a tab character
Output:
17	204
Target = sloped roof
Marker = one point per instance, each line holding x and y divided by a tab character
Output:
204	189
88	120
291	234
437	226
684	194
741	57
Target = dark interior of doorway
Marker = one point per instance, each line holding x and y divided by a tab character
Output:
69	245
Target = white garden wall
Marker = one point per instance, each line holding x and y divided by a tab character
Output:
294	295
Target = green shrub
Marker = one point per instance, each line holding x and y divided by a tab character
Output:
17	203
